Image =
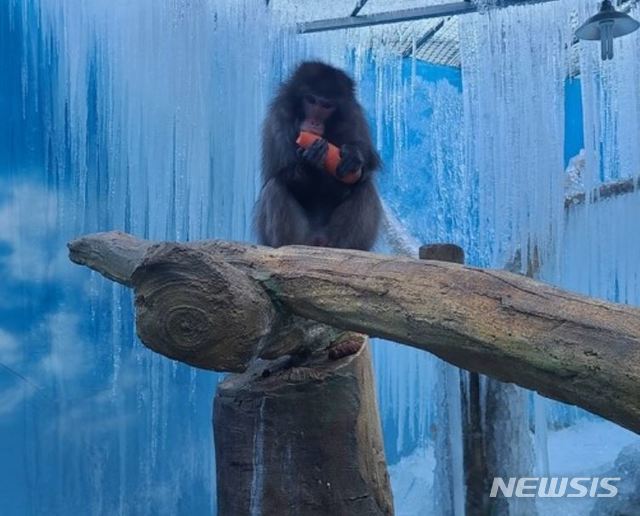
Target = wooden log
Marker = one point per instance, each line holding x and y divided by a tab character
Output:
190	305
604	192
566	346
508	445
301	440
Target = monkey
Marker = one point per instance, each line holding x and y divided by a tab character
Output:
300	202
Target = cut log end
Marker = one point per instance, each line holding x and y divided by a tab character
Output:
442	252
115	255
195	308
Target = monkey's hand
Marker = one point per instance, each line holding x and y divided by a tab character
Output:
316	153
351	160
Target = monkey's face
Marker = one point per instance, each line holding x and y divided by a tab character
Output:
317	111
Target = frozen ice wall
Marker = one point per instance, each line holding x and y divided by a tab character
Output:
140	116
429	199
514	64
600	253
611	105
144	116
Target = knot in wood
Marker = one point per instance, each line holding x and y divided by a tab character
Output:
198	309
188	327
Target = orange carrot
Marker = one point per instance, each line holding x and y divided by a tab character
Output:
306	139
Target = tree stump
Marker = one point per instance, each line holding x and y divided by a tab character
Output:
302	437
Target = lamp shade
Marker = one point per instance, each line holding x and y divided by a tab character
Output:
622	23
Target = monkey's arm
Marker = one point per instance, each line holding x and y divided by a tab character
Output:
282	158
314	155
357	150
351	160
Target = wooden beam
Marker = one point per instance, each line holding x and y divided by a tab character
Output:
566	346
605	191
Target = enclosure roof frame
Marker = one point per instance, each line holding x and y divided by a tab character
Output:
403	15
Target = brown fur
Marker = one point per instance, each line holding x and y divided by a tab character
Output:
300	203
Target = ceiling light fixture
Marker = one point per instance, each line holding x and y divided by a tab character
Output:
605	26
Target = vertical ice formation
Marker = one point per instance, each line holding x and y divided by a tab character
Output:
417	123
611	105
148	114
600	244
514	64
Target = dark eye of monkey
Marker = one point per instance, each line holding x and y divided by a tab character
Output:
313	100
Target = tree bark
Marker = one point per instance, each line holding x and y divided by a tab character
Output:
566	346
301	440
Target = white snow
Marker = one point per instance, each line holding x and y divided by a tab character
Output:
586	449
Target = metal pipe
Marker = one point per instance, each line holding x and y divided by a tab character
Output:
416	13
358	7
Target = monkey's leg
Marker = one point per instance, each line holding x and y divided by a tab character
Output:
280	218
354	224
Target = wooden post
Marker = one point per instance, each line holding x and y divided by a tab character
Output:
302	437
508	446
475	465
475	461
